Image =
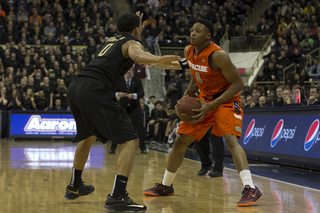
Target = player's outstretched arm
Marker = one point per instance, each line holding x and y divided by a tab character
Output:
138	55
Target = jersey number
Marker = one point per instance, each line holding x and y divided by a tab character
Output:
105	49
198	77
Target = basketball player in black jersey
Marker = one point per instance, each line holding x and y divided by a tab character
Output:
98	114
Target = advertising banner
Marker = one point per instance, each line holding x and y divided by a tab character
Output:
282	135
42	125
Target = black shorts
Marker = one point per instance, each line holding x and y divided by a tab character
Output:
97	112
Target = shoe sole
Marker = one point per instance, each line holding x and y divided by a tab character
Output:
248	203
73	198
156	194
120	209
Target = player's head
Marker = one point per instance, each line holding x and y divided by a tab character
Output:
201	31
129	23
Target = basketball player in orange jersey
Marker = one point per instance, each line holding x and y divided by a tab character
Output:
219	83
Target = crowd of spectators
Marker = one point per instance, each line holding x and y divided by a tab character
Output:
170	21
34	73
295	26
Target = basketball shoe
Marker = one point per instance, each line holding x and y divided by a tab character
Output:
159	190
73	192
249	196
123	204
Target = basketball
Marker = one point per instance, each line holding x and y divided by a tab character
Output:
185	109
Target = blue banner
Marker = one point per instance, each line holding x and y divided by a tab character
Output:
44	124
296	134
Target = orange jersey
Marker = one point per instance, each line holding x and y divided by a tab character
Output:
210	82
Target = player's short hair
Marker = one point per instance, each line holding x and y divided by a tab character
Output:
206	23
128	22
152	96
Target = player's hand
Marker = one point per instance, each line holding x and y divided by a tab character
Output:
130	95
122	94
142	24
203	111
179	102
167	60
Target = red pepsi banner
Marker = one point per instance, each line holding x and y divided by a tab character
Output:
282	134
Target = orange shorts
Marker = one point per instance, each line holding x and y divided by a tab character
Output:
226	119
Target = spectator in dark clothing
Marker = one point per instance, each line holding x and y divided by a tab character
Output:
282	63
288	53
41	102
314	97
15	100
295	45
161	41
183	84
30	85
270	71
57	106
160	122
263	101
152	36
278	101
48	91
91	49
305	50
151	120
175	42
50	40
61	92
261	76
168	34
314	70
270	98
172	90
28	101
3	99
249	35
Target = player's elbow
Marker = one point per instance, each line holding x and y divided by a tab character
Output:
240	85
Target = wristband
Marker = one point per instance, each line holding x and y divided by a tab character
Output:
184	63
32	99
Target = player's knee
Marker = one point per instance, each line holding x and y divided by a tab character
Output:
231	141
181	143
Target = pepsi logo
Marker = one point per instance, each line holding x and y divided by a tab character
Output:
249	131
311	135
277	133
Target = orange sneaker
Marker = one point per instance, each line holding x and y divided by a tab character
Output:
159	190
249	196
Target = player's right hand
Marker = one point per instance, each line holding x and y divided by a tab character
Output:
179	102
167	60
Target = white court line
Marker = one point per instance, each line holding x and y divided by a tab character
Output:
280	181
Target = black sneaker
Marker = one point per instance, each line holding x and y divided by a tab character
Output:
123	203
73	193
215	173
204	170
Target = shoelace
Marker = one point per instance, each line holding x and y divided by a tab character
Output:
246	192
158	185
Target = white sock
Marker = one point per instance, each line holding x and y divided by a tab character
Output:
168	178
246	178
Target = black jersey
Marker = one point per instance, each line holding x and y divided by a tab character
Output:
109	64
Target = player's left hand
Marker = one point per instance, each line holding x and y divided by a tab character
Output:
203	111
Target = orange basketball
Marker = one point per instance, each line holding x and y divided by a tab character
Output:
185	109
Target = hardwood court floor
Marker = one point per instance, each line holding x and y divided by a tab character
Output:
34	174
